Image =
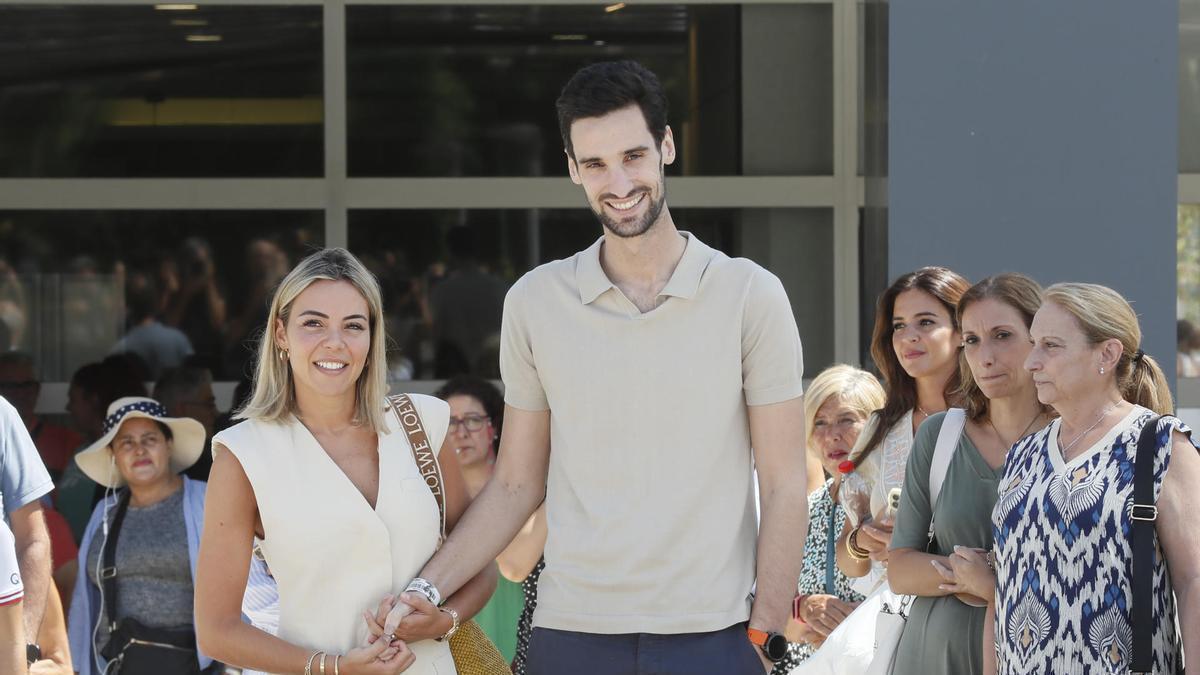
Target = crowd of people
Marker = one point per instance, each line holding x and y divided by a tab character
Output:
162	306
1012	497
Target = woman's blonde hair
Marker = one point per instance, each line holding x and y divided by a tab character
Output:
1103	315
274	395
857	388
1015	290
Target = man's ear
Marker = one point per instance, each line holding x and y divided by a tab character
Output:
573	168
667	147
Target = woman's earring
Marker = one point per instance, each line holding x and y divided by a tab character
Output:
283	355
1101	370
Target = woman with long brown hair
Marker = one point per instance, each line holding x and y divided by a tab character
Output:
915	346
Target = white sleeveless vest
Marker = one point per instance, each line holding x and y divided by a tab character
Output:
332	555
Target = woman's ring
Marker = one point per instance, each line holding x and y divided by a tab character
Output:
391	637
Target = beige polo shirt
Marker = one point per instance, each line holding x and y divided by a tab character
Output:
649	497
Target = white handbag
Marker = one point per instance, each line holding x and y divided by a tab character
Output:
865	643
851	648
889	626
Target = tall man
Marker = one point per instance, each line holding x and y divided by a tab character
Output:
639	374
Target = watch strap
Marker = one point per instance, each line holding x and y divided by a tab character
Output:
758	637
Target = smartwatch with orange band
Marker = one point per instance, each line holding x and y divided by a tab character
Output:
773	645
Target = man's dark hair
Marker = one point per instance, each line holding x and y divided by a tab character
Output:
601	88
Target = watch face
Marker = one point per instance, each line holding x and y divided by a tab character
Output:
776	647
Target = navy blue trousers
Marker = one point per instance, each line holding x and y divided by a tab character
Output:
723	652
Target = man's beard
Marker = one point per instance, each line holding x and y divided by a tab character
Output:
638	227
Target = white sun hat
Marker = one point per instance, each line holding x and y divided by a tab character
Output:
96	461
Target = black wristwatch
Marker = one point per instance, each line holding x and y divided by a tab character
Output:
33	654
773	645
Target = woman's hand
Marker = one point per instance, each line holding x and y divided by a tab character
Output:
876	539
823	613
379	658
957	585
972	572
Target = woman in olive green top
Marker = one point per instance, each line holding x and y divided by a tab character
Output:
943	634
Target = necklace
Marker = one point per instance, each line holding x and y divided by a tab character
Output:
925	413
1070	445
1021	435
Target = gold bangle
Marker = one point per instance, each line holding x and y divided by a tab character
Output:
308	666
855	551
322	663
336	659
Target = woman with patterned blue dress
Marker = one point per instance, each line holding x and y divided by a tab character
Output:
1062	519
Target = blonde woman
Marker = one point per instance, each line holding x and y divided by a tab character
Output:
321	474
1062	521
836	406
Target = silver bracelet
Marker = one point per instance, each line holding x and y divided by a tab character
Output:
426	589
308	666
453	626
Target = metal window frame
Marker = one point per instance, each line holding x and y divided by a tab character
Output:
335	193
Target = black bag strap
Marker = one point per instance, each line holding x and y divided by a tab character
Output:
108	568
1142	516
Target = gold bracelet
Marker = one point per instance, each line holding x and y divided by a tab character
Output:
336	658
308	666
854	549
322	663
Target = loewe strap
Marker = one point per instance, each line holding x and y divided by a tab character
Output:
1143	515
425	456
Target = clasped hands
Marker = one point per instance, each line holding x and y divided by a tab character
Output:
398	621
968	577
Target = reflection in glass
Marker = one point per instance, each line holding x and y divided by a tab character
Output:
445	273
128	91
167	286
469	90
1189	86
1187	249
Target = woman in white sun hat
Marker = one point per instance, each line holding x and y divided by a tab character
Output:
138	555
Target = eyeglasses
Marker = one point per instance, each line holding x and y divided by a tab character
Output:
470	422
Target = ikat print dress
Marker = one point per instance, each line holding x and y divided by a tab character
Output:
1063	555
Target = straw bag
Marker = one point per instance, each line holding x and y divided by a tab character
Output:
474	653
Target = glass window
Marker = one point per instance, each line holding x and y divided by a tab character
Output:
130	91
470	90
194	285
445	273
1187	250
1189	86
